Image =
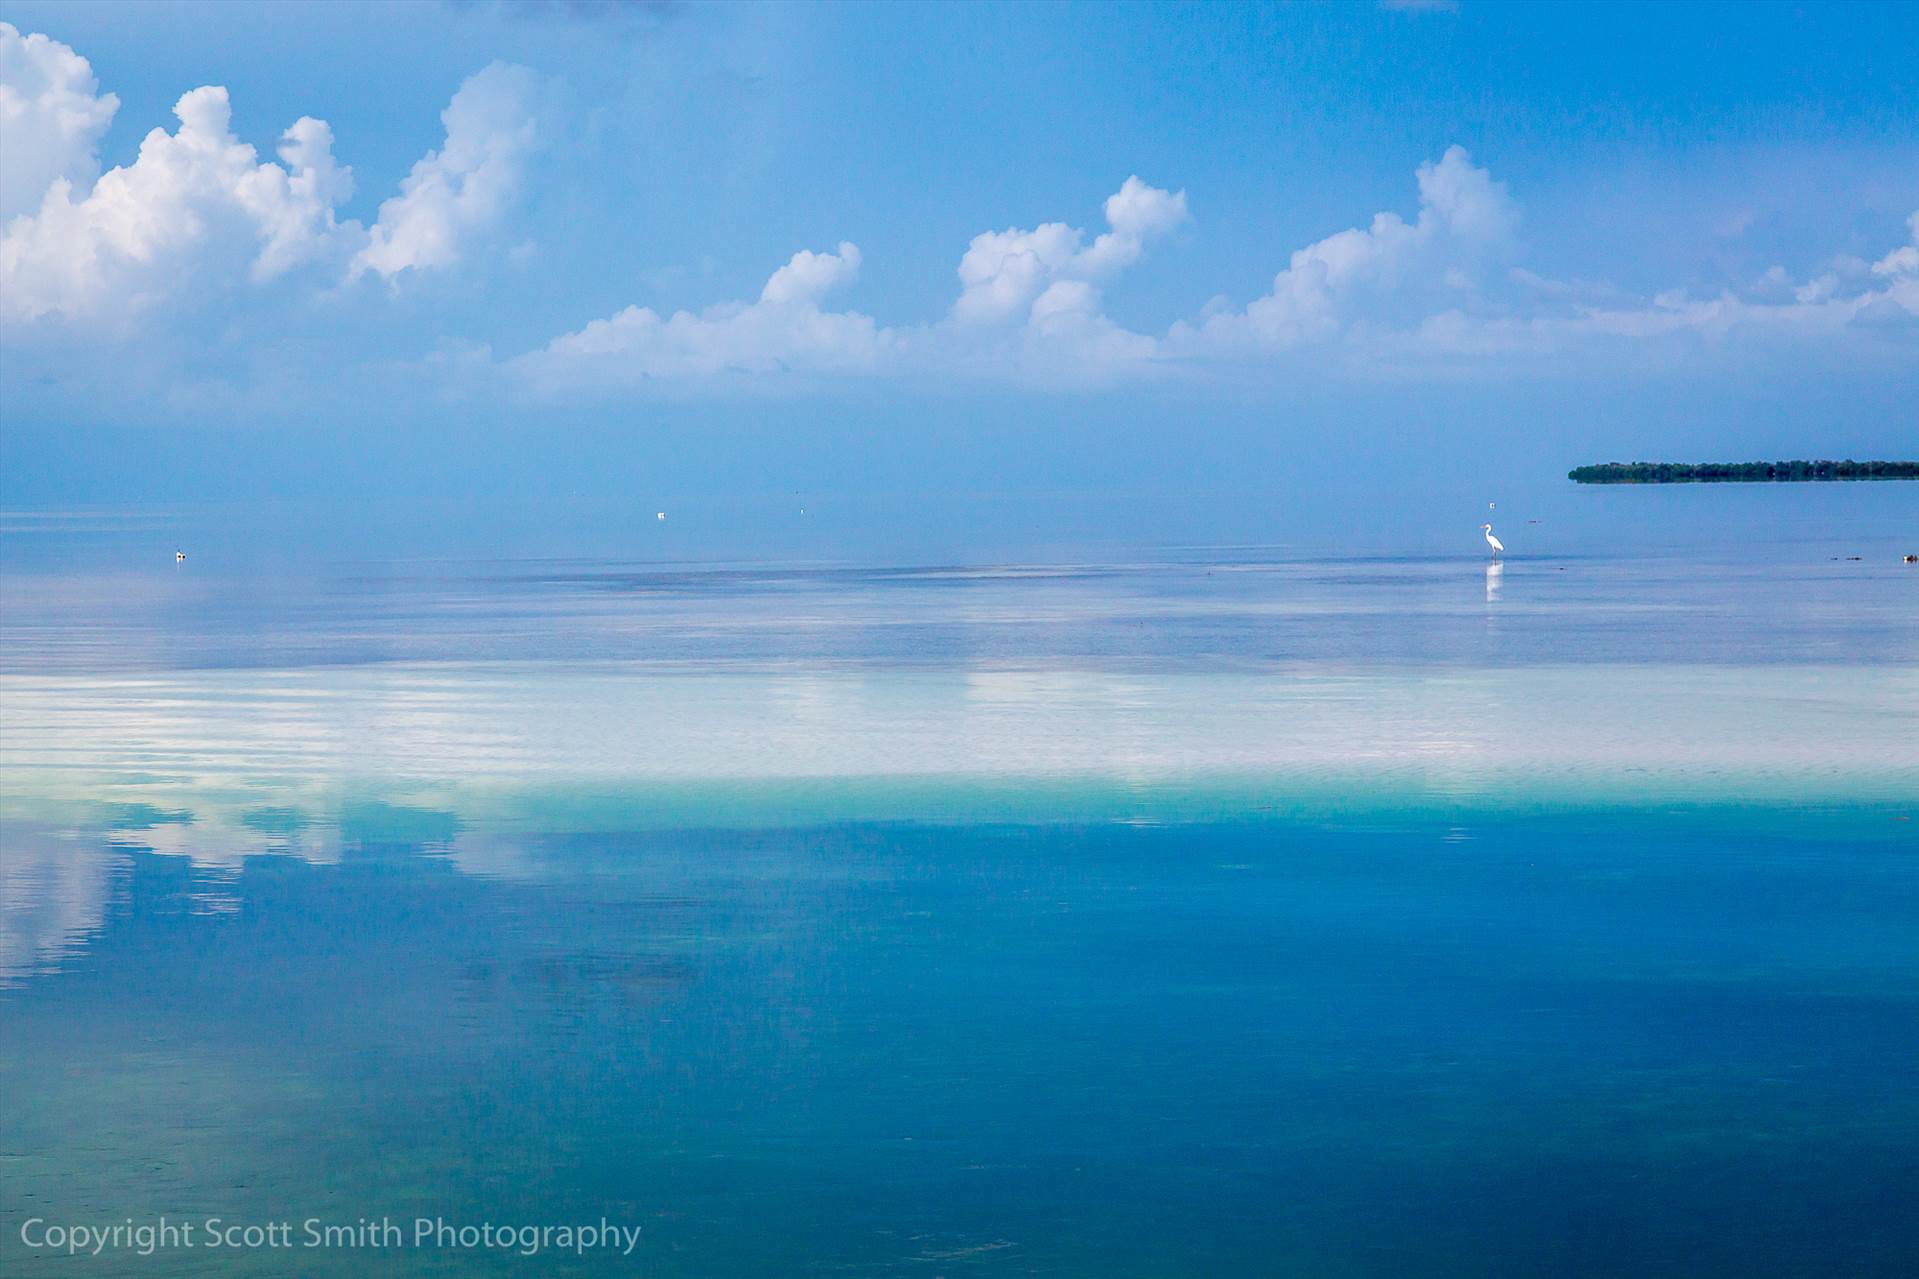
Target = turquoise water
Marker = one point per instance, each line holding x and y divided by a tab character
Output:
1198	913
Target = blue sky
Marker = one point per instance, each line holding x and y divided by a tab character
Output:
921	254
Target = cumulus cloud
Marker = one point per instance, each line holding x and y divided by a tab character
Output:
198	210
197	213
465	185
51	118
1901	266
1440	289
1028	308
786	330
809	276
1069	338
194	200
1389	267
1424	292
1850	297
1003	272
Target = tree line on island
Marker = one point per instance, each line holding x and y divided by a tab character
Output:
1739	472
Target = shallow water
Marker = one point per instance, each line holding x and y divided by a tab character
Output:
1198	913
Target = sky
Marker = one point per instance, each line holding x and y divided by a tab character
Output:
1105	270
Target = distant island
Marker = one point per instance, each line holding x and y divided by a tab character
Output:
1739	472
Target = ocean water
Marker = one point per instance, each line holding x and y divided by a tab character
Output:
1188	911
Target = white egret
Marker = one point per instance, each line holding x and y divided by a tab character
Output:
1492	541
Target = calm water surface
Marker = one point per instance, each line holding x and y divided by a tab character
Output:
1198	913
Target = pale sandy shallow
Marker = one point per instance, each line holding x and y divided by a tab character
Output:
1717	731
221	765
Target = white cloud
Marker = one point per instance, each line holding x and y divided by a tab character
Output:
198	211
1901	266
1137	213
464	186
1421	294
1384	270
298	218
1850	296
196	203
1003	272
1432	291
784	331
1028	309
51	118
1068	337
810	276
198	214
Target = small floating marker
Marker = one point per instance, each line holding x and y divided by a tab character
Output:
659	515
180	557
1912	559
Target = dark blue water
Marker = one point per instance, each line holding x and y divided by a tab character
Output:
1606	1043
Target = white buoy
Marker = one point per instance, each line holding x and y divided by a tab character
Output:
179	557
659	515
